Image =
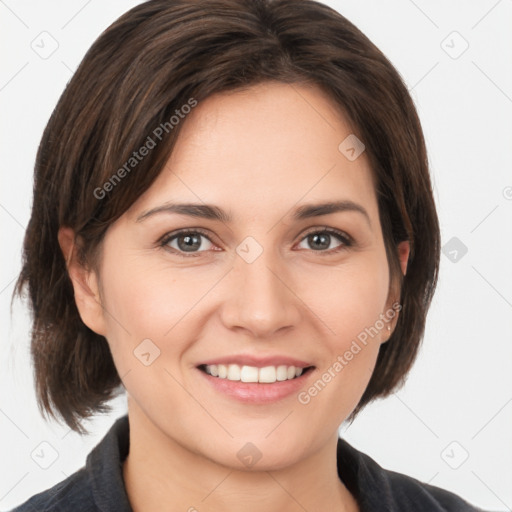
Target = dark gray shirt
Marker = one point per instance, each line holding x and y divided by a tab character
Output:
99	486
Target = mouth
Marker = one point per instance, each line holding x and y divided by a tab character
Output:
254	374
255	385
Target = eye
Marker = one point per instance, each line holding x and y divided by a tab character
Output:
320	240
186	241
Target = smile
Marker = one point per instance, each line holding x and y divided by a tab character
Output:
266	374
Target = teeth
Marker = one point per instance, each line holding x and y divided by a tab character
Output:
233	372
249	374
267	374
282	373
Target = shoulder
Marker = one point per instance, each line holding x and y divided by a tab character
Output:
96	486
73	493
412	494
377	488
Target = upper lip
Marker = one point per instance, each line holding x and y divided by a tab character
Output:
257	361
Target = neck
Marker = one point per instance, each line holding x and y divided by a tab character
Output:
161	474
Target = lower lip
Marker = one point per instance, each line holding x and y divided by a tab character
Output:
256	392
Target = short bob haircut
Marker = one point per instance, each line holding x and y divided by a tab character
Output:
143	69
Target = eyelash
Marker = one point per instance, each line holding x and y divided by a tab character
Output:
342	237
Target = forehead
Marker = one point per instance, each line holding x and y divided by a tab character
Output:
271	146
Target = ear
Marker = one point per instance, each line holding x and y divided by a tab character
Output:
403	250
85	283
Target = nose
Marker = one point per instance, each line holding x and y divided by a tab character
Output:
260	296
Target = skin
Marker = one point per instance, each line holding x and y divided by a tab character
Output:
257	154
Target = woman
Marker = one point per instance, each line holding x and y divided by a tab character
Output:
233	220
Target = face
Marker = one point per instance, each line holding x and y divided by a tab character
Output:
262	292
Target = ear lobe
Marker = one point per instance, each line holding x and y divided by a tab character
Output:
85	283
404	249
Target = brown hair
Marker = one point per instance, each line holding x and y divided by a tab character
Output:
144	67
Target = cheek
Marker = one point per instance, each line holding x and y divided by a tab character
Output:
349	301
350	298
154	296
151	300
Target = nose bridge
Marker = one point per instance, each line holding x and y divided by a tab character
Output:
259	297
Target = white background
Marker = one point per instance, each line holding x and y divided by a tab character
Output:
458	398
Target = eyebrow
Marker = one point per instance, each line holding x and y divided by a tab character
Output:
211	212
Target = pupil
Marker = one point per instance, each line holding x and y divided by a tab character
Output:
322	237
190	242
